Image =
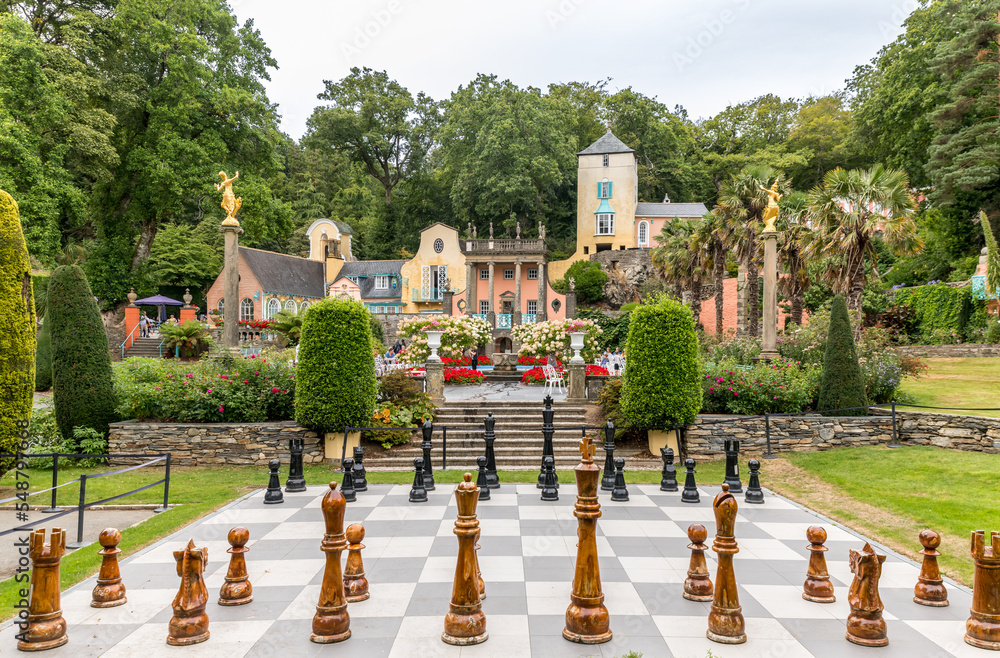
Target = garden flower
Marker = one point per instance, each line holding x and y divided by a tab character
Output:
221	410
246	381
274	390
209	391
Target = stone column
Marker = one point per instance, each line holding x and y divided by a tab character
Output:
577	383
516	319
231	290
471	281
542	310
741	301
491	314
769	345
570	304
435	381
446	301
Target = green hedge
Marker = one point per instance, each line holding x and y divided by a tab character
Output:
17	329
842	385
662	376
82	389
335	376
943	307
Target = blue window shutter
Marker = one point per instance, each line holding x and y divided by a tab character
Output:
599	190
611	189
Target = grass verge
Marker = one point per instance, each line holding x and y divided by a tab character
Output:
957	383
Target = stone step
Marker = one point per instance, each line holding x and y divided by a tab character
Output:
508	404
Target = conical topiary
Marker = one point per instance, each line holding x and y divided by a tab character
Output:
842	386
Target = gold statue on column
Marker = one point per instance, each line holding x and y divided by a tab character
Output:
771	212
230	202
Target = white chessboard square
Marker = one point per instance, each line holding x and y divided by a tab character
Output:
415	512
298	530
386	600
767	549
797	531
786	602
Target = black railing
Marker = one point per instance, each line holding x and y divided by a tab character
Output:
444	439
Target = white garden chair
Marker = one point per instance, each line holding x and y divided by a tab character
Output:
553	379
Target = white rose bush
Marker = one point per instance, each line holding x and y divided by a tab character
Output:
552	338
460	333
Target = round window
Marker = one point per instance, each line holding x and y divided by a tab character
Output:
439	245
556	304
461	304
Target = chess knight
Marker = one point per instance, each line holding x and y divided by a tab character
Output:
865	625
189	624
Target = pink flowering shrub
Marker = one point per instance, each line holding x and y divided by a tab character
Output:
777	387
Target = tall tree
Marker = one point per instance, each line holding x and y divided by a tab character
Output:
793	224
822	127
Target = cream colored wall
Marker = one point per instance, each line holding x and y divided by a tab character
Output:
346	288
451	256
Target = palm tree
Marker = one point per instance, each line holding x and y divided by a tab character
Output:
288	325
715	241
682	257
849	208
793	223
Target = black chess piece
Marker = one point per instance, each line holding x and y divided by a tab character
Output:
548	430
417	493
296	479
273	495
669	480
733	466
427	430
619	493
492	480
754	493
690	493
484	489
360	474
549	490
347	485
608	477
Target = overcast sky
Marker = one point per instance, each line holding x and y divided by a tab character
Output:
702	54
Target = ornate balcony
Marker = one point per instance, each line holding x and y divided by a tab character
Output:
504	321
506	246
529	318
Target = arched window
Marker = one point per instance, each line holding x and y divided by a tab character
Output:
643	233
290	305
246	309
222	304
273	306
303	306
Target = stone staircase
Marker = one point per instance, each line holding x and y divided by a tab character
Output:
519	439
148	347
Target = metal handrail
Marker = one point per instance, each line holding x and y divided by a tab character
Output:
126	339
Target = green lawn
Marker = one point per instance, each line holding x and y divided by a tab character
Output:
971	383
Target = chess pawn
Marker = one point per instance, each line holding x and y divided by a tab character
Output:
109	591
481	481
619	493
983	626
360	474
690	493
865	625
698	584
465	622
355	583
479	572
417	493
189	624
725	619
46	626
669	475
549	490
930	589
273	495
237	589
817	587
332	623
347	486
754	493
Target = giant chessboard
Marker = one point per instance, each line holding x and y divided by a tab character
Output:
527	560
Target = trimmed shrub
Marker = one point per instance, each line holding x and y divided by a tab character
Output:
17	330
43	359
662	381
335	377
588	278
82	388
842	385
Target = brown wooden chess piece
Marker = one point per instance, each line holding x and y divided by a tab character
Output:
355	583
930	589
109	591
465	622
865	625
817	587
237	589
189	625
587	618
479	572
983	626
725	619
331	623
698	584
46	626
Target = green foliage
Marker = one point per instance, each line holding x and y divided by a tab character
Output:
336	372
992	254
378	334
662	378
740	349
43	436
614	330
43	359
993	331
940	307
17	329
178	258
288	325
191	337
89	441
81	362
40	284
842	385
398	387
609	400
589	279
776	387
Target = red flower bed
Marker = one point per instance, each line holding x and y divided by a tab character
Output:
462	376
533	376
532	360
485	360
597	370
256	324
464	362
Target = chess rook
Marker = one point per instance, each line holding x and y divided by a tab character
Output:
296	479
237	589
331	623
549	490
698	584
619	492
817	587
484	489
732	477
465	622
273	495
587	618
668	481
865	625
355	582
608	477
690	493
754	493
189	623
109	591
417	493
427	429
930	589
983	627
46	626
347	485
360	474
725	619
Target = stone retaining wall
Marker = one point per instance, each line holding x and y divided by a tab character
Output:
949	351
207	444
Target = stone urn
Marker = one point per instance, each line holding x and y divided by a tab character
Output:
504	362
576	342
434	343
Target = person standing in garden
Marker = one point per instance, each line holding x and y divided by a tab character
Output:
143	326
475	357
